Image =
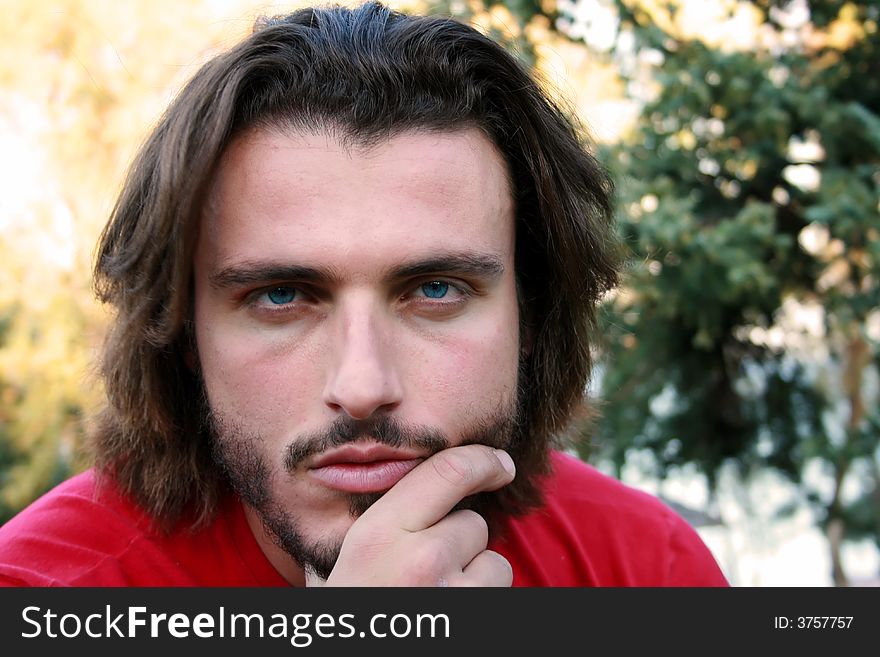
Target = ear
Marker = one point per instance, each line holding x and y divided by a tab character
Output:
188	346
525	315
526	339
189	358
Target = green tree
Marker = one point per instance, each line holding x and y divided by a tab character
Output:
751	201
747	332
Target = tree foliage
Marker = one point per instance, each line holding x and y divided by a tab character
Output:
747	333
751	201
81	83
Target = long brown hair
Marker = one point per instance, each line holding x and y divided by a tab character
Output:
364	74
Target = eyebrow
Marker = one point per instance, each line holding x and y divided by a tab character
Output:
472	264
249	273
485	266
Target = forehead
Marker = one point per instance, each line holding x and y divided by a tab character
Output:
307	196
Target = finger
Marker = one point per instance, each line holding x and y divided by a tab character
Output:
460	537
312	579
488	568
438	483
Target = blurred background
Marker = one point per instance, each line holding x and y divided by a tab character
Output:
738	367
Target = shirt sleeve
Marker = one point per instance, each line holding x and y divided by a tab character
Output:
691	563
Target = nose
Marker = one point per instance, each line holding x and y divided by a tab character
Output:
362	378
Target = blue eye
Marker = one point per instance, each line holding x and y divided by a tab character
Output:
435	289
281	295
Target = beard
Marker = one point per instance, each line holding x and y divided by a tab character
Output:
244	463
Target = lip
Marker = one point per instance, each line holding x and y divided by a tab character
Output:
365	467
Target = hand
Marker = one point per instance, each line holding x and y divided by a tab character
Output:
410	538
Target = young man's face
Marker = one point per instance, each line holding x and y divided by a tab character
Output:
355	311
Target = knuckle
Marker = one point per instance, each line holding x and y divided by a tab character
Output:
426	561
487	569
501	570
475	522
454	468
505	568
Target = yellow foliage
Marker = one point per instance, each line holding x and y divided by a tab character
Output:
845	31
81	83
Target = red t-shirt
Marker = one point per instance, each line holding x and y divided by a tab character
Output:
591	531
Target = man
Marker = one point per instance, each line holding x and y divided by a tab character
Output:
355	269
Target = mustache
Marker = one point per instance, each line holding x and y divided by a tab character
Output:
385	430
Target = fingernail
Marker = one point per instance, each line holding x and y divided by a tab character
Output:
506	461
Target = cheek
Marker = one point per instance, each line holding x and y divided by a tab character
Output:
256	377
477	371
